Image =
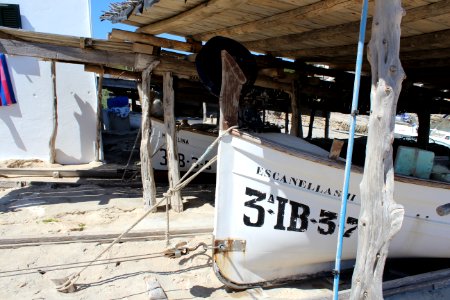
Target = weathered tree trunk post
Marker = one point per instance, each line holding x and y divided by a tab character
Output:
286	121
380	216
295	111
423	134
205	112
99	118
327	125
52	142
311	123
171	140
232	80
148	181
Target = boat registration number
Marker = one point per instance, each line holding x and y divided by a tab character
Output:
300	219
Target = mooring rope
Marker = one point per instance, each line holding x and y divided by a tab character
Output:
71	280
193	166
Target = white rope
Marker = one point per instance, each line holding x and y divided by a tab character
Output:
180	185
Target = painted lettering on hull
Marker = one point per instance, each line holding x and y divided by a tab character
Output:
299	220
301	183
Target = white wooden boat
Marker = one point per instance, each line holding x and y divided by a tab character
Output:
277	204
191	143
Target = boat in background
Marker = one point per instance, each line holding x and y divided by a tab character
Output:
192	141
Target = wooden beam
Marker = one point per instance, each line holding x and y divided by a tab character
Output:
115	73
171	141
380	217
305	12
52	143
143	48
352	28
144	38
439	39
200	12
67	54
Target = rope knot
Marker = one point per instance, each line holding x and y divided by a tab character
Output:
169	193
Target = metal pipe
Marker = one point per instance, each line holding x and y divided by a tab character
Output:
348	162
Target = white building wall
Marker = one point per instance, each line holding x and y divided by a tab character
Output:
25	127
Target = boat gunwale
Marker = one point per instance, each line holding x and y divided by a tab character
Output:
193	130
329	162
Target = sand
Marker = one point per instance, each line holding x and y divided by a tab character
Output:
55	210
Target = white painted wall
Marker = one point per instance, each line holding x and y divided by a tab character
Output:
25	127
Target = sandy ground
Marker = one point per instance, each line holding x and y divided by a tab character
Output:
62	210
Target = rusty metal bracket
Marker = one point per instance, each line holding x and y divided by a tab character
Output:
229	245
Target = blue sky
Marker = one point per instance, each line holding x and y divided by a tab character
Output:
100	29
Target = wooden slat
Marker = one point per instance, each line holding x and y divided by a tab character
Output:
75	55
144	235
308	11
439	39
351	29
153	40
200	12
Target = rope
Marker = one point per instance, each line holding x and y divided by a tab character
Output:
71	280
193	166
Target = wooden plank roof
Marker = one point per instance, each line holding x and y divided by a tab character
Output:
312	32
308	30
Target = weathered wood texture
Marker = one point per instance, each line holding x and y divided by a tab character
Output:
75	55
232	80
295	119
380	216
124	35
98	138
202	11
52	143
148	180
115	73
171	141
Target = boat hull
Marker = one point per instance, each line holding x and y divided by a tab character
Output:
191	146
284	206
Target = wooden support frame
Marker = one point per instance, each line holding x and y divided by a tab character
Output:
171	141
380	216
148	180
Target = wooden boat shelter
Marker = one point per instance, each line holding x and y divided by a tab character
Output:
305	48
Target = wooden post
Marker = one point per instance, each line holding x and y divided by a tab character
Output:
311	123
52	143
295	111
286	121
205	112
232	80
380	216
148	181
98	138
171	140
423	134
327	125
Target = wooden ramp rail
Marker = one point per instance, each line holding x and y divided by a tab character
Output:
422	282
142	235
